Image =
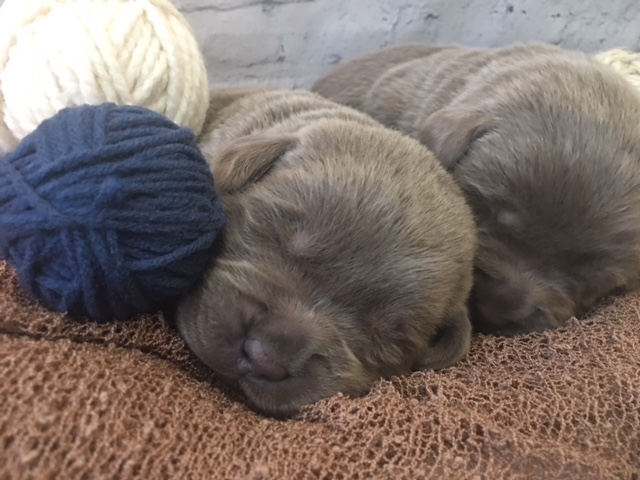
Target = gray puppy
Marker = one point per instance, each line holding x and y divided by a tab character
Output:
545	144
348	254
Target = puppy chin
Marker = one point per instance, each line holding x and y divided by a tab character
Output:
282	398
321	378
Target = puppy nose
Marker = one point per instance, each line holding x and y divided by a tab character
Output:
257	361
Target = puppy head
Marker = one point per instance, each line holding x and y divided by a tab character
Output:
322	284
515	294
521	288
550	168
259	325
255	319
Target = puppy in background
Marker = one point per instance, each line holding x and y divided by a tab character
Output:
545	144
347	257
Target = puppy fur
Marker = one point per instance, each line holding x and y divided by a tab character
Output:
348	254
545	144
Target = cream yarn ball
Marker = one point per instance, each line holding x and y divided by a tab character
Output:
61	53
625	62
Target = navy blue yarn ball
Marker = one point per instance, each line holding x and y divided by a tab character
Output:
108	211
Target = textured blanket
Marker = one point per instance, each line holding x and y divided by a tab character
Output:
127	400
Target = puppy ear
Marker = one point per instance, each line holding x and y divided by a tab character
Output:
248	158
449	133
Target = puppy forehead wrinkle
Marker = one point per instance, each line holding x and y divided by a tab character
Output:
316	117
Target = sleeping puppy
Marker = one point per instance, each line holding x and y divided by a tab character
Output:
545	144
347	257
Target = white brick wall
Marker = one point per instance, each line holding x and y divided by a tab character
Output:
292	42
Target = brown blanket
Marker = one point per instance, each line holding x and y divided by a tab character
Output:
128	400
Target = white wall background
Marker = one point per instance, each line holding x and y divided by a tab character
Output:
290	43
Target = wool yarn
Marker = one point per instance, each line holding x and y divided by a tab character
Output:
623	61
62	53
108	211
